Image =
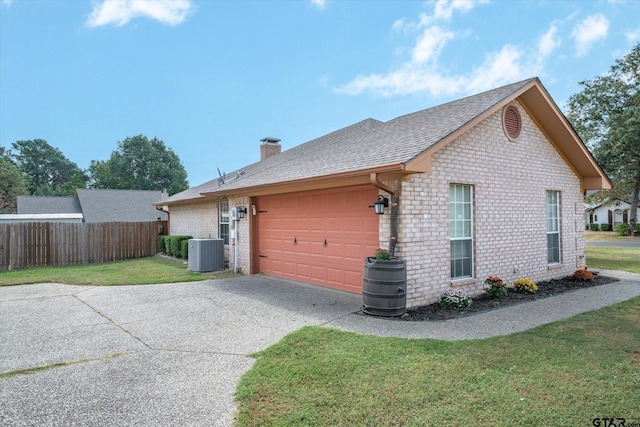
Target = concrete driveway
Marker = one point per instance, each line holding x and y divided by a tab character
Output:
156	355
172	354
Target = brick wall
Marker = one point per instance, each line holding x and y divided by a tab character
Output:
510	180
198	220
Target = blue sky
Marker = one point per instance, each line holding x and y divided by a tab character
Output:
211	78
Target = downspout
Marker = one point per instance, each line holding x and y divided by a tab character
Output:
393	220
235	242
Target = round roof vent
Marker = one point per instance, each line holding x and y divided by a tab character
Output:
511	122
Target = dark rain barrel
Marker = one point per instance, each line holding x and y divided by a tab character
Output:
384	292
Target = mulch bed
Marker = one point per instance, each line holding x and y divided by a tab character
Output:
486	302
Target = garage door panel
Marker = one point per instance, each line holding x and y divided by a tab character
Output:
336	225
289	268
289	224
341	217
318	273
302	224
353	279
318	225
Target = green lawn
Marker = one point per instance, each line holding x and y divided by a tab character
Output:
131	272
614	258
564	373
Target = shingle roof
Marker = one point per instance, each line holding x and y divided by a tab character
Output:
275	163
47	205
119	205
365	146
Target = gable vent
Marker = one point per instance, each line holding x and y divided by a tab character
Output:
511	122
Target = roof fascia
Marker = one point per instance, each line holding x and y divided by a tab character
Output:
314	183
557	129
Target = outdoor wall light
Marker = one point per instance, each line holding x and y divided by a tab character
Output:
379	205
238	212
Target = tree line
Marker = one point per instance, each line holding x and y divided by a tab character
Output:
35	168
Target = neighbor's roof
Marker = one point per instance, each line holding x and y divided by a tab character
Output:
405	144
48	205
119	205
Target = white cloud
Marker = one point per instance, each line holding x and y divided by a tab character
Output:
498	68
320	4
422	73
404	81
548	42
120	12
506	66
444	9
7	3
588	31
430	43
633	35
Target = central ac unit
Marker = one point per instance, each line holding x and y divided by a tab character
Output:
206	255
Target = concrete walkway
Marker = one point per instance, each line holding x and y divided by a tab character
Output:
172	354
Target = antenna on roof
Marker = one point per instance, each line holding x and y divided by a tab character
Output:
221	179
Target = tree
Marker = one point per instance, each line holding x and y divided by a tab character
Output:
606	114
48	171
140	164
12	185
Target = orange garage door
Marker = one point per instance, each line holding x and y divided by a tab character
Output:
320	237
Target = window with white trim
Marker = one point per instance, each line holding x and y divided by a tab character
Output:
553	227
223	221
461	230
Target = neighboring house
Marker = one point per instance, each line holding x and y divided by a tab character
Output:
120	205
491	184
614	213
45	209
90	205
48	205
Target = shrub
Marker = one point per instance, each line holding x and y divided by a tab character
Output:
184	249
594	226
525	286
605	227
455	298
582	275
166	244
161	244
622	229
382	254
173	245
494	286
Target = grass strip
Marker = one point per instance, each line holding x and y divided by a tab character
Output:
138	271
565	373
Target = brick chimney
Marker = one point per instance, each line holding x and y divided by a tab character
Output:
270	147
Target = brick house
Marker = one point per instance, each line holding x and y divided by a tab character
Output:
491	184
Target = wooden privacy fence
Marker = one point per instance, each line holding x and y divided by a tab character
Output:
37	244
